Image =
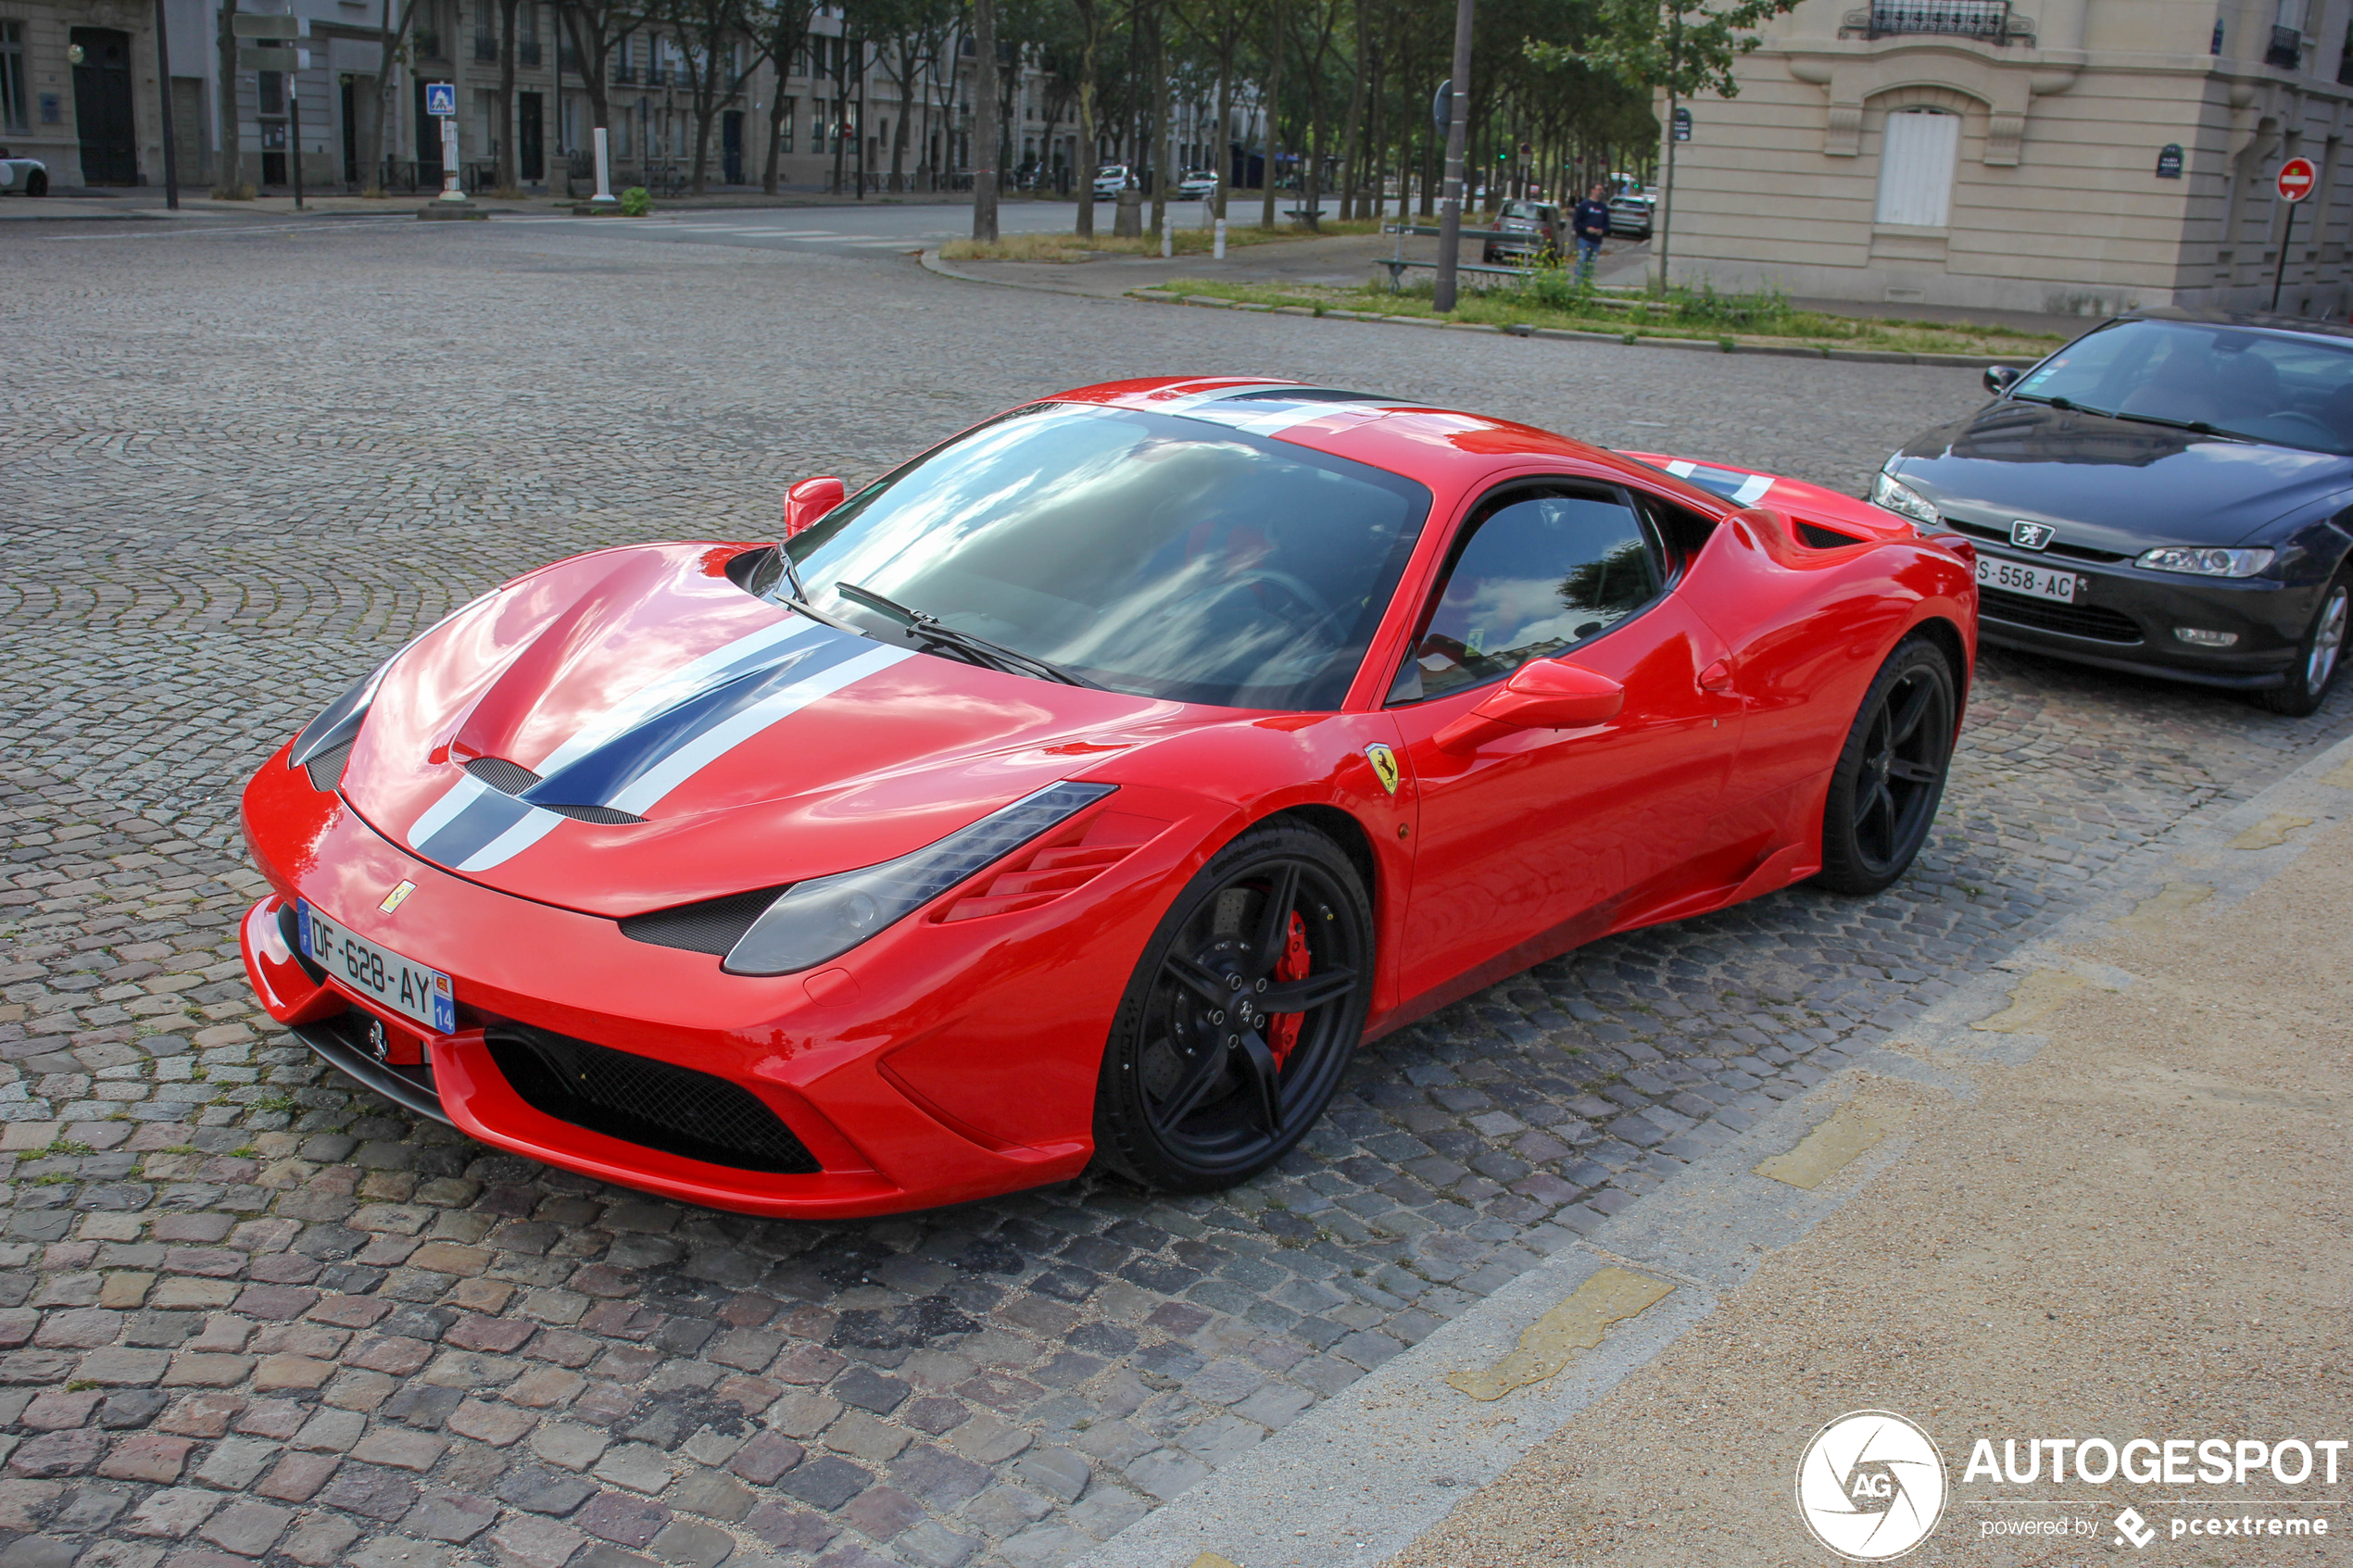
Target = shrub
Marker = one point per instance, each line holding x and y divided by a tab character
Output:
637	201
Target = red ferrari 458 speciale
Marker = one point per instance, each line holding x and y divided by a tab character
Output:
1084	789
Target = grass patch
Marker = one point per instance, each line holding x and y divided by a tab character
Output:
1189	241
1551	298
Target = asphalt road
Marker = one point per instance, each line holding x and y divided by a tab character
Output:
245	1312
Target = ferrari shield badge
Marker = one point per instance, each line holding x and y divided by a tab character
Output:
397	896
1384	763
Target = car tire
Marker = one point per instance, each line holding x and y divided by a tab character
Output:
1891	773
1202	1085
37	183
2320	657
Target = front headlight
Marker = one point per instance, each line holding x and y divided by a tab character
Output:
1903	500
811	921
2205	564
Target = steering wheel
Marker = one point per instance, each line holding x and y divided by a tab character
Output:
1253	576
2333	439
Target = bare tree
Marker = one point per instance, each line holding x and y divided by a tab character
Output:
780	31
710	35
393	50
596	29
503	135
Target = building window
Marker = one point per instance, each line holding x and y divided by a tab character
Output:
1917	154
13	113
783	123
271	85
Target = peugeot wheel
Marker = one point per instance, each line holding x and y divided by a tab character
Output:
1891	774
1240	1019
37	183
2317	658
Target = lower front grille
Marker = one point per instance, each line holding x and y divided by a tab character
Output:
2048	615
635	1098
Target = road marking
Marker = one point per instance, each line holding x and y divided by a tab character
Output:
1833	1146
2270	832
1548	1343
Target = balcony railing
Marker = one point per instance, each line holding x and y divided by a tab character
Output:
1985	21
624	76
2287	48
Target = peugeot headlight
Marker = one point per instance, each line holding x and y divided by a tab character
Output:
2205	564
1903	500
338	723
826	916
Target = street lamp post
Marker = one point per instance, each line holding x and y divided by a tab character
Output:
1450	223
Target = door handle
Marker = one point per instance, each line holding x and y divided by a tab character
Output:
1717	677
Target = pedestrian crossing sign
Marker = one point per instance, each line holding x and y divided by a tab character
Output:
441	97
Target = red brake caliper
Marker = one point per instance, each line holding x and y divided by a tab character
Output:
1282	1030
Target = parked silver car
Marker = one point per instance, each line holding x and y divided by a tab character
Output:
1630	213
1110	180
28	176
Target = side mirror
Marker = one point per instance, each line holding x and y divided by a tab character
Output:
1542	695
809	500
1999	379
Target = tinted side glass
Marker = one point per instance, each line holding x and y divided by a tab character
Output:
1538	573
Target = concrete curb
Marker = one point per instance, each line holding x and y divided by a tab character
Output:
1367	1472
1636	340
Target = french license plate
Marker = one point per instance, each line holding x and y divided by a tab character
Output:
2034	582
403	984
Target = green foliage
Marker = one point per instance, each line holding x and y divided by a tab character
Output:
1685	47
636	201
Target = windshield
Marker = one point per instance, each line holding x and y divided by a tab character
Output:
2285	388
1150	553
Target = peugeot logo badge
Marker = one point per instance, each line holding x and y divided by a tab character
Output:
2030	536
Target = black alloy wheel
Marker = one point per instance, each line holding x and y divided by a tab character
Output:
2318	657
1240	1019
1891	774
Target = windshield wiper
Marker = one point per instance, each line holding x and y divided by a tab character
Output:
931	629
2064	404
2195	427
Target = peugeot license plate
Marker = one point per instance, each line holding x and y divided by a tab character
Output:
2034	582
403	984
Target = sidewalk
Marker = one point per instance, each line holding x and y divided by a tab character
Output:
147	203
2135	1230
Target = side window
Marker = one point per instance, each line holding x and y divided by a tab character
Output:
1537	572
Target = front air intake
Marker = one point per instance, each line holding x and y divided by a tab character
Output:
640	1100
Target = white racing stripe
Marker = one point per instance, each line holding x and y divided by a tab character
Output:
513	842
643	793
464	793
1753	489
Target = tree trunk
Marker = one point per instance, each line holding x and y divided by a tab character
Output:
1274	104
228	170
857	125
373	183
1090	19
506	99
1225	132
777	114
984	120
834	111
1352	164
1159	12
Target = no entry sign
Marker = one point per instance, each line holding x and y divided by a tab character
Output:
2296	179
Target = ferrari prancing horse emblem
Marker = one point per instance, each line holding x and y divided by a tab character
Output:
1384	763
397	896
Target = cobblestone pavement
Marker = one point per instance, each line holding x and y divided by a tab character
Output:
247	1315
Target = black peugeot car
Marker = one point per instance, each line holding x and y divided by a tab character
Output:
2170	494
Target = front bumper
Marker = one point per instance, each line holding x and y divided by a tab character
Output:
2128	619
938	1063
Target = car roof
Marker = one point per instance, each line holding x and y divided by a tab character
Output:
2262	319
1441	447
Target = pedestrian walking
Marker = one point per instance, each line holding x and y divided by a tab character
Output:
1591	222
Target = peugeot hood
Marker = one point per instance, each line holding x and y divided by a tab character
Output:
2118	484
631	730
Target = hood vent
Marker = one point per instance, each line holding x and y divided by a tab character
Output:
513	778
713	926
326	769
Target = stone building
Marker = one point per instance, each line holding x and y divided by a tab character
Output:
79	90
2081	157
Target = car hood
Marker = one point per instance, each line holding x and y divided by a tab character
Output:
2113	483
630	730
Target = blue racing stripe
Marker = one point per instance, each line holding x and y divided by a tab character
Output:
596	778
478	823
